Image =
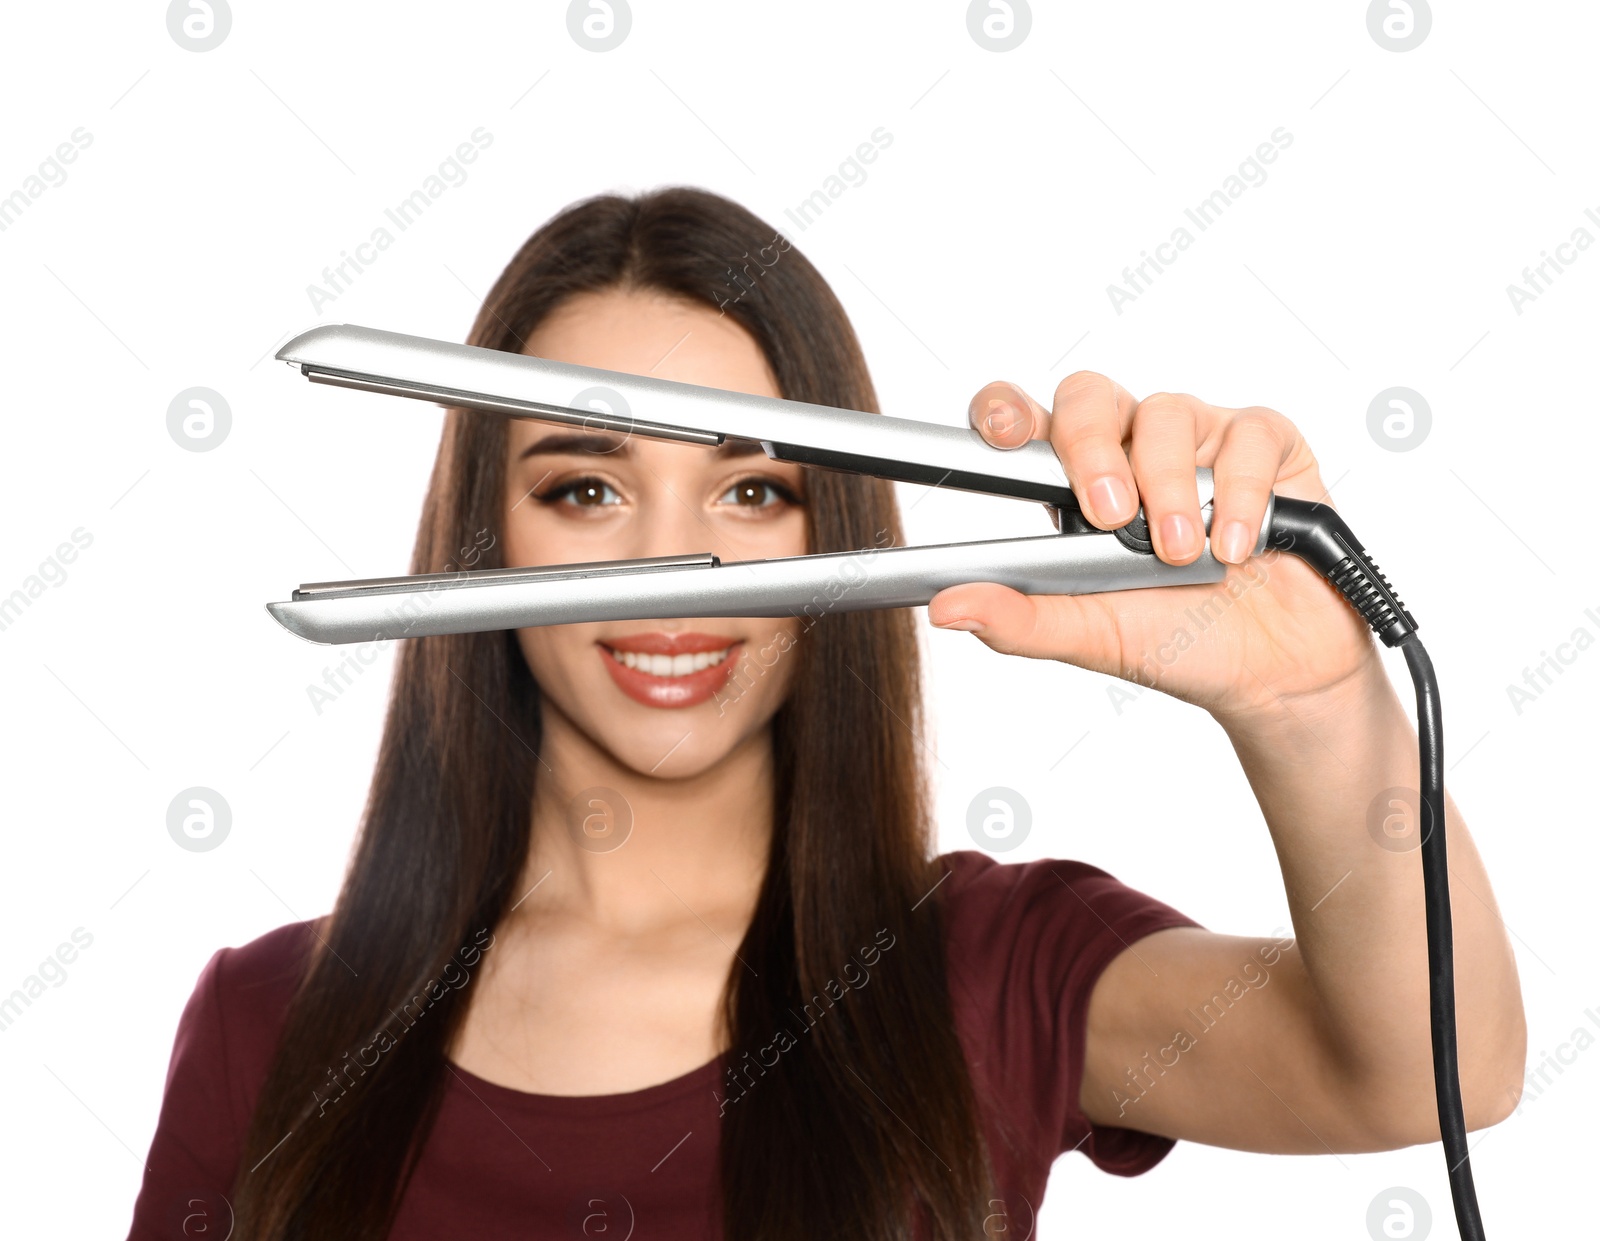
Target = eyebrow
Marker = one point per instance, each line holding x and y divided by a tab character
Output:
608	445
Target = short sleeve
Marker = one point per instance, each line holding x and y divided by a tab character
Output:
1026	944
194	1154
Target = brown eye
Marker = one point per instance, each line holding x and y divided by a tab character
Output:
752	493
582	492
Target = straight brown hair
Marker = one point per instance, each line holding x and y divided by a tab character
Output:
867	1125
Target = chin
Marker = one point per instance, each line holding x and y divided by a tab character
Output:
662	741
671	745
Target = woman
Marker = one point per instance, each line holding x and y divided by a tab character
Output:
641	933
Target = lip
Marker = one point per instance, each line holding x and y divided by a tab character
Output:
658	643
671	692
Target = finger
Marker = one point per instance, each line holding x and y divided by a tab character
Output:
1090	418
1006	416
982	608
1075	629
1255	444
1165	436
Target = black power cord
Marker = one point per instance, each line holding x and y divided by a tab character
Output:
1319	536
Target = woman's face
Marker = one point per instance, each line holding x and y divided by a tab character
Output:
663	697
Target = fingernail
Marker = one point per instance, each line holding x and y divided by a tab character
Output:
1003	418
1175	535
1234	544
969	626
1111	498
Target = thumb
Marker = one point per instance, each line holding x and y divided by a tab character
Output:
1011	622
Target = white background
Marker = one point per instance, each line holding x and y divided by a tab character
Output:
1017	186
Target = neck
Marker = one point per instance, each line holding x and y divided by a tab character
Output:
631	851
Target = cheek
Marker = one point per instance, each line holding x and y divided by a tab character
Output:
521	545
554	654
767	671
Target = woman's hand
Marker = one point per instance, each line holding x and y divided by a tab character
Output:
1272	633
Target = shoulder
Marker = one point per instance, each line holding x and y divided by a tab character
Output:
240	1002
223	1048
262	975
1038	933
989	905
1025	944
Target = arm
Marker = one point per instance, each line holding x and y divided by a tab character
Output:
1328	1049
1321	1043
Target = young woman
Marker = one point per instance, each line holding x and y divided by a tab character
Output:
642	934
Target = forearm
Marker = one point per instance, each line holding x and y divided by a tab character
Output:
1325	770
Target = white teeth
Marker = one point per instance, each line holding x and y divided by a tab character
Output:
671	665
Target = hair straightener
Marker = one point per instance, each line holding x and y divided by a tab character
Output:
1079	559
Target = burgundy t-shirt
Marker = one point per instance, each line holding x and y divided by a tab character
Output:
1025	944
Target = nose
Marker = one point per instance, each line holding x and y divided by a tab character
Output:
671	520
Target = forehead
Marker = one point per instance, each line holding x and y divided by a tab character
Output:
641	332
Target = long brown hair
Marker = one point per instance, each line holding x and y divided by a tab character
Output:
867	1122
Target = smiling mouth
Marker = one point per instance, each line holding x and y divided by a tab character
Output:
674	677
669	666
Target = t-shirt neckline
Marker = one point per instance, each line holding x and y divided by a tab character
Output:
495	1094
